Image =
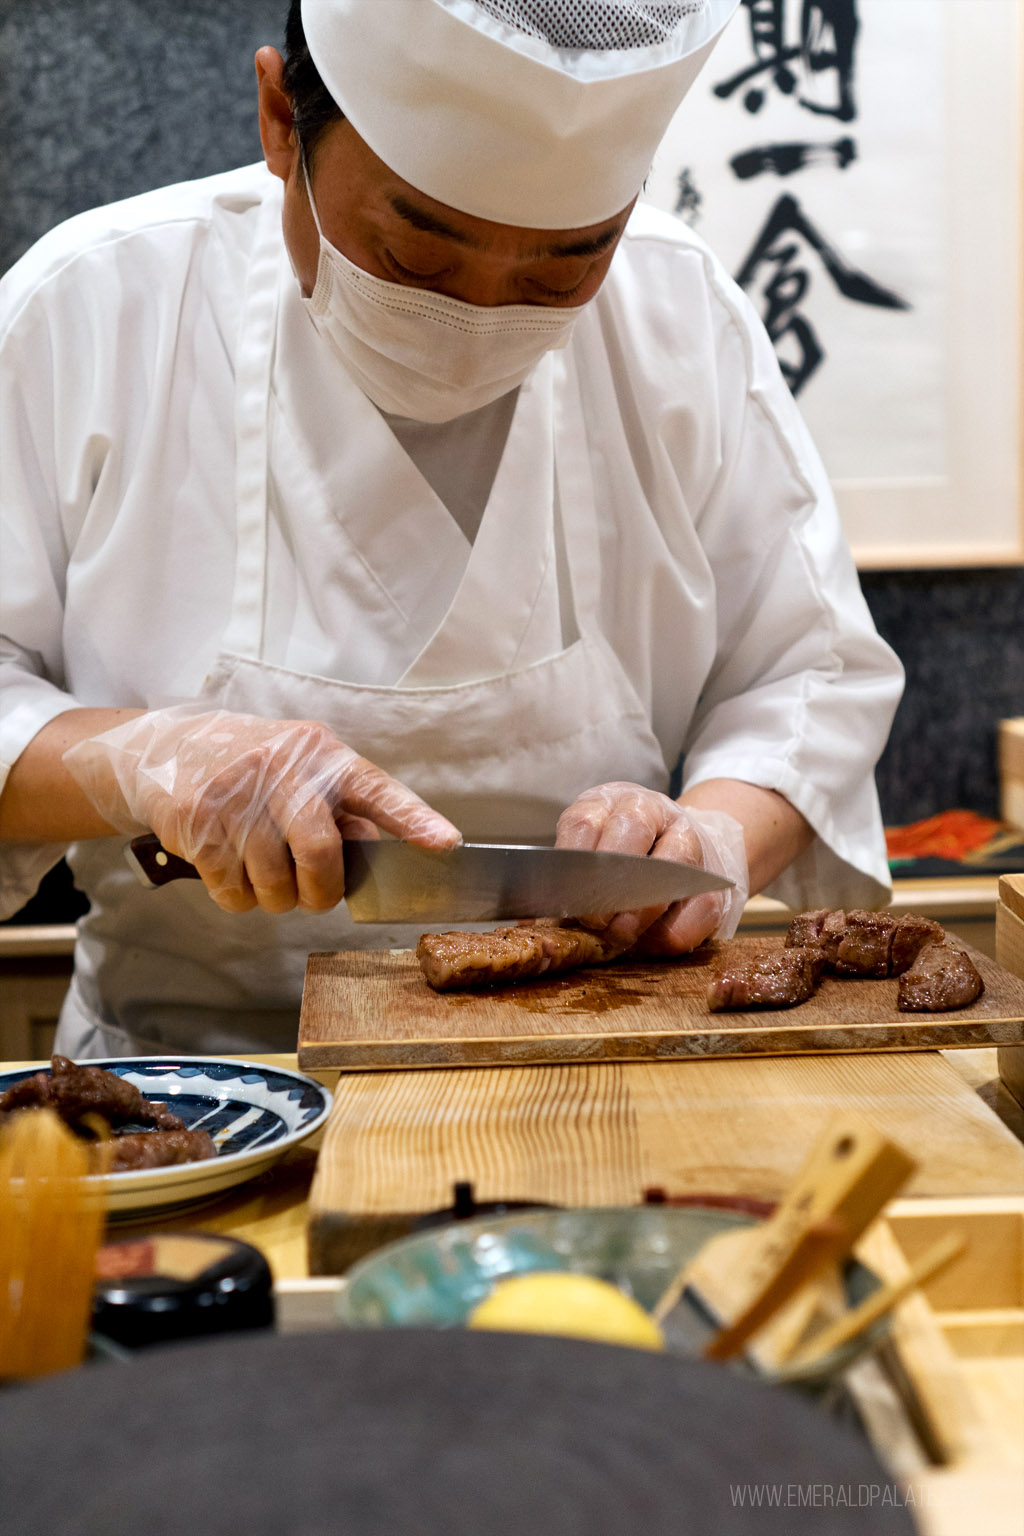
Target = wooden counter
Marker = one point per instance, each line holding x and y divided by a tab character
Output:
744	1120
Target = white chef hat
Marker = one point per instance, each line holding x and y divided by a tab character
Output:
539	113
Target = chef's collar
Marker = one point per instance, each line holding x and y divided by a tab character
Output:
543	114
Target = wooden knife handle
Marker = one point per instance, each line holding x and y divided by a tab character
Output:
155	865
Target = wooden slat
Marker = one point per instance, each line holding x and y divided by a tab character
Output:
1010	952
371	1009
1011	895
397	1142
18	941
955	1346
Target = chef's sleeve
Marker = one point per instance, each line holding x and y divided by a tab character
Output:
803	690
33	562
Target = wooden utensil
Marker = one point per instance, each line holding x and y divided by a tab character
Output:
853	1323
850	1174
813	1251
51	1221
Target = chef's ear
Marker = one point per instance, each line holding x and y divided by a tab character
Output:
276	124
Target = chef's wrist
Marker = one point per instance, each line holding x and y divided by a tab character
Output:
41	801
774	831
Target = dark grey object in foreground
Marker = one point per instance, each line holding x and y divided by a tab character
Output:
428	1434
393	882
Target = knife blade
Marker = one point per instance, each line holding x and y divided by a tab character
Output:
394	882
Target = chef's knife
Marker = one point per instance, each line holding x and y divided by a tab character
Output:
393	882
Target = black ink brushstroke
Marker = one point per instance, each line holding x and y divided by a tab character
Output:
852	284
784	159
787	284
837	19
688	196
828	35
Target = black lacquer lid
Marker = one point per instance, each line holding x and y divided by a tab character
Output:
179	1285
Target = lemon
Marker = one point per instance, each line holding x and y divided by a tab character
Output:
574	1306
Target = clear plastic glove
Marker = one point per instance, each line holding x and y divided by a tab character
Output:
627	818
260	807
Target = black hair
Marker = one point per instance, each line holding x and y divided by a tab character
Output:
313	107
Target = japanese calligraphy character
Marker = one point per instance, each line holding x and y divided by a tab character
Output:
776	262
828	33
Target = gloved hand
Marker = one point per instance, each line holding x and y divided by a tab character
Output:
258	806
627	818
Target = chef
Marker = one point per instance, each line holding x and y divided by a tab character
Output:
417	481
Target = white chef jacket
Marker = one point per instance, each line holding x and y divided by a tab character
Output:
727	591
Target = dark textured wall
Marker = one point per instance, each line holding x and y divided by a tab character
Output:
960	636
103	98
100	99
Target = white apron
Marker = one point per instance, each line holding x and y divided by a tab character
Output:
496	723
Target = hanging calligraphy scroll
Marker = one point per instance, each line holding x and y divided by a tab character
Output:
857	165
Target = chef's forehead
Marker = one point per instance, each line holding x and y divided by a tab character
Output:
540	113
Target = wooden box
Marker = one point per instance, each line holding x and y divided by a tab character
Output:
1010	954
1011	771
955	1357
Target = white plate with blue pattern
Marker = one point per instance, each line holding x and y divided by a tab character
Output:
254	1114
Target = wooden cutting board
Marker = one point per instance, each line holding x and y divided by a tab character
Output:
368	1010
396	1143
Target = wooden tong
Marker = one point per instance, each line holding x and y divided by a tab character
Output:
858	1319
755	1276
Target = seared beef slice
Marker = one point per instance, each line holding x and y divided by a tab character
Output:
777	978
859	943
505	955
853	943
160	1149
75	1091
806	928
911	936
942	977
865	945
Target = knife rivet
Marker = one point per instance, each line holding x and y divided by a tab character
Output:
161	857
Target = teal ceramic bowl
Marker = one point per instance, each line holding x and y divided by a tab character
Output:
436	1278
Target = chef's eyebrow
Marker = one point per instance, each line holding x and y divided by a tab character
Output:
593	245
430	224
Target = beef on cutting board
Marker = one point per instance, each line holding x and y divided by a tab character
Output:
941	978
935	976
776	978
860	943
866	944
912	934
451	961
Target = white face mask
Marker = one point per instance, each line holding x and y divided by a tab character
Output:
425	355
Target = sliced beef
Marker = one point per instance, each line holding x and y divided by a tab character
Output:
911	936
160	1149
450	961
859	943
75	1091
942	977
806	928
833	930
777	978
823	929
865	945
